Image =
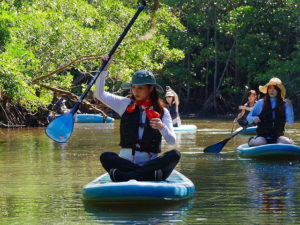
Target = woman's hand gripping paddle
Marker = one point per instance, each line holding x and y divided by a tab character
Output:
216	148
61	128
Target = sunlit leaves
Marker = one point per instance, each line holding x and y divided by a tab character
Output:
46	34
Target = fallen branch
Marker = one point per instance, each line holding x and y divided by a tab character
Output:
11	125
75	98
78	60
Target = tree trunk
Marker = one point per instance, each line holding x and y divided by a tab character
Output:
216	61
225	68
236	81
207	66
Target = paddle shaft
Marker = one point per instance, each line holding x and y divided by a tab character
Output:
112	51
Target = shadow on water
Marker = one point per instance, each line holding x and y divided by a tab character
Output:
165	212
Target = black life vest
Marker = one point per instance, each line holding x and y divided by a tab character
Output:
172	110
269	127
130	123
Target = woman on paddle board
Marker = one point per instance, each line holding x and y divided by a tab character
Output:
270	114
246	108
144	121
63	108
172	105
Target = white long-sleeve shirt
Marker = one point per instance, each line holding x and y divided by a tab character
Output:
119	104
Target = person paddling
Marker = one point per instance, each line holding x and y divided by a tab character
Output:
270	114
246	108
144	121
63	108
172	105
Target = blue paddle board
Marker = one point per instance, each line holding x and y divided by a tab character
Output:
270	150
103	190
185	128
92	118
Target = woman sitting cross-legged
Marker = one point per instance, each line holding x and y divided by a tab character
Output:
270	114
144	121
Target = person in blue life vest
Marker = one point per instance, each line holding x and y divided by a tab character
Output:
172	105
271	114
246	108
144	121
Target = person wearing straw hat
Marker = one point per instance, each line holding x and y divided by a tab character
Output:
144	121
172	105
271	114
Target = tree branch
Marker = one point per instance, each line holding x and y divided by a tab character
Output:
75	98
78	60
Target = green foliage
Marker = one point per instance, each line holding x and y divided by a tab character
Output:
41	36
264	36
183	42
5	22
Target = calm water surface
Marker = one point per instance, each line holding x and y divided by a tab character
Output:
41	181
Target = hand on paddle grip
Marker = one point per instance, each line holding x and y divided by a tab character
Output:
105	58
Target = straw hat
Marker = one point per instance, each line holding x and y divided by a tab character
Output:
275	82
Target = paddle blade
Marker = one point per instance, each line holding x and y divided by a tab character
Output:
61	128
216	148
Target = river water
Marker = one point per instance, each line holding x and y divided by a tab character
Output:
41	181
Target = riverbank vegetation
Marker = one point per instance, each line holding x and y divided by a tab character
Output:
210	52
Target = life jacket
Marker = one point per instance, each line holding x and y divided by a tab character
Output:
269	127
172	110
129	126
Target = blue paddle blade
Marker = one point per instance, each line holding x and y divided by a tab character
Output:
61	128
216	148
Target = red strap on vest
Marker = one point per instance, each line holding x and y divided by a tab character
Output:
147	104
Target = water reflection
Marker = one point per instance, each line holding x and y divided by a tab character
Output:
160	213
185	139
41	181
94	126
271	188
185	142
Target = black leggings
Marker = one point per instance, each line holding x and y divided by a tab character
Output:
129	170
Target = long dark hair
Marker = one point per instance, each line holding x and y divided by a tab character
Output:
254	93
158	104
267	101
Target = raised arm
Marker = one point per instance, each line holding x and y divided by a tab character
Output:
115	102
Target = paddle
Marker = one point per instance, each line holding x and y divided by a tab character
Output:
216	148
61	128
